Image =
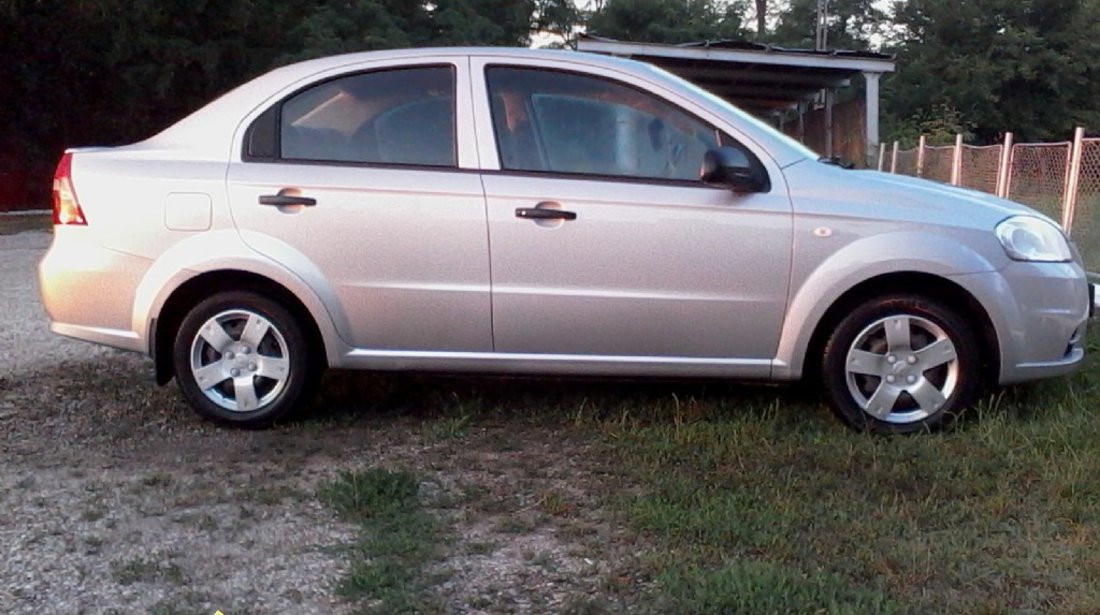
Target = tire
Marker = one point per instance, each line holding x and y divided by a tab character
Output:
242	359
901	364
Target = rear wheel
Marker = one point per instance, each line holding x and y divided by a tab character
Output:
901	363
242	359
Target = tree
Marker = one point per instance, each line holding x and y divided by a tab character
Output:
852	24
105	72
1026	66
761	17
340	26
558	17
669	21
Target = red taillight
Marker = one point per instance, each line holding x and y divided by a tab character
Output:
66	208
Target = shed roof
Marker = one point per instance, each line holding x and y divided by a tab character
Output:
758	77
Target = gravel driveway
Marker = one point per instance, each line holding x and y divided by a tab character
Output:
24	335
118	499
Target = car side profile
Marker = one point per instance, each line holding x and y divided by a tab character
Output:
542	212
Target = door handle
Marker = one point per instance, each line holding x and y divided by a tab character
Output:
283	200
544	213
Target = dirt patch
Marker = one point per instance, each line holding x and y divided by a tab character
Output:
118	499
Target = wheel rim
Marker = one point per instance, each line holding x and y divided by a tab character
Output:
240	360
902	369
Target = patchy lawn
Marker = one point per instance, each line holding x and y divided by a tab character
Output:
399	494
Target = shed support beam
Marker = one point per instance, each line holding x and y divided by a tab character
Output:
872	113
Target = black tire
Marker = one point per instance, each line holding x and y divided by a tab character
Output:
901	363
251	377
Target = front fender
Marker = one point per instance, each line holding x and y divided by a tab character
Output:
859	261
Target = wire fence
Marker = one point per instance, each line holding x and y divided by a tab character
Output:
1061	180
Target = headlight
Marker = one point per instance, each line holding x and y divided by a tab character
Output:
1026	238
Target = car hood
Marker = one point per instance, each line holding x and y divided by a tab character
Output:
830	189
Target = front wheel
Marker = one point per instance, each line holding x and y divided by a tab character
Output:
900	364
242	359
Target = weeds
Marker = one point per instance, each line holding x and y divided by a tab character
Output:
756	514
398	538
756	500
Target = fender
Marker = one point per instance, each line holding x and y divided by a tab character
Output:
226	250
909	251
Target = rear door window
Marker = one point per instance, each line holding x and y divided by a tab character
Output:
400	116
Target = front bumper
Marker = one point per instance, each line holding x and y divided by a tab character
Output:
1040	313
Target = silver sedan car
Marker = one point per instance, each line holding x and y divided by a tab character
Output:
542	212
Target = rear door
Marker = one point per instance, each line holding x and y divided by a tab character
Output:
361	183
605	242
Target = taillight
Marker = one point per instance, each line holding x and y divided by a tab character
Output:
66	208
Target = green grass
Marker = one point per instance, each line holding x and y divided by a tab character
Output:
757	500
398	539
754	512
10	225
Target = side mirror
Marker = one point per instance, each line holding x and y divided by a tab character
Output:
731	167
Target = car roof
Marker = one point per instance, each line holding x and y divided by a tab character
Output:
336	61
206	133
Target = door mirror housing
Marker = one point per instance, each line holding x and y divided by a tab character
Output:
732	168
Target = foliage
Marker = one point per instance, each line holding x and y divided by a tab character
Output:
398	538
669	21
939	126
851	24
104	72
1022	65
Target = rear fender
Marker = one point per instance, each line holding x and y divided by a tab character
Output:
225	251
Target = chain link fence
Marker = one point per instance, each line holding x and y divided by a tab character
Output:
980	166
907	162
938	162
1086	211
1036	174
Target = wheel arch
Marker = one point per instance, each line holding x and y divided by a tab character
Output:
929	285
185	296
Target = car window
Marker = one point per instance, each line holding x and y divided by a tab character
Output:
404	116
570	123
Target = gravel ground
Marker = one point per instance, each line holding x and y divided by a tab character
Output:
24	336
117	499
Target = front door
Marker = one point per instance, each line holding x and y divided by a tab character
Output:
605	242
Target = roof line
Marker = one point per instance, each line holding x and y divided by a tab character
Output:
770	55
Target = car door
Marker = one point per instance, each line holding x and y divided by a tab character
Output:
605	245
356	182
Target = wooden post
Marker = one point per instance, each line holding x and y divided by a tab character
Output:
957	161
871	101
920	156
1073	178
894	159
881	156
1004	170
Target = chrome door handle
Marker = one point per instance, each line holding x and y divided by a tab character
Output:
544	213
283	200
